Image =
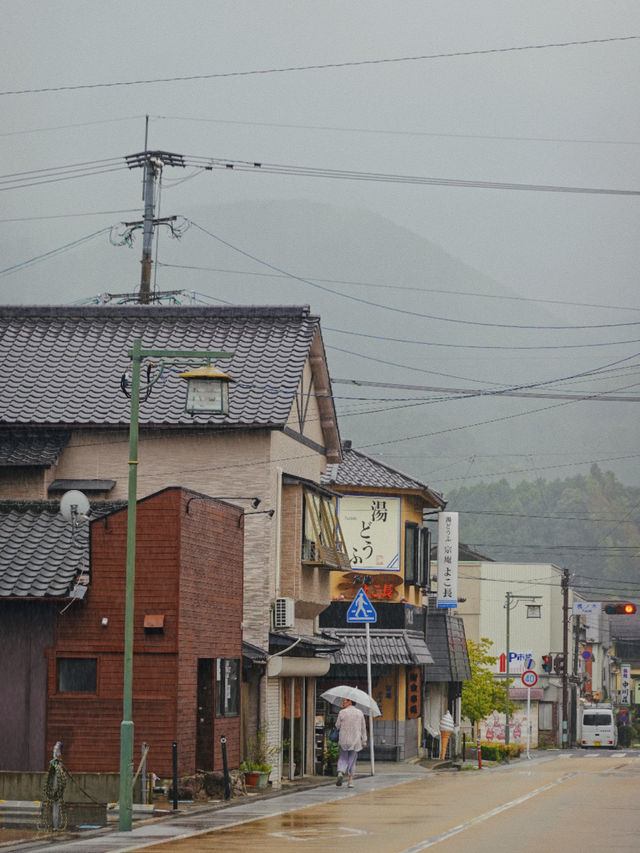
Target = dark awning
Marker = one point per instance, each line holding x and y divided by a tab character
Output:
448	644
388	646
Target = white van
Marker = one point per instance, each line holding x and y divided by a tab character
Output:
598	727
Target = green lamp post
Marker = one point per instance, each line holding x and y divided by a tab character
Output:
210	395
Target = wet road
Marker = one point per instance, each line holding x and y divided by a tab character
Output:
571	802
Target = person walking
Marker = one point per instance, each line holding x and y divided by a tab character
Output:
353	737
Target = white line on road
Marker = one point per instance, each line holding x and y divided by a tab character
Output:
486	816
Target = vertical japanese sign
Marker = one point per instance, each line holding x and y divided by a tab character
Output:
448	559
371	529
625	684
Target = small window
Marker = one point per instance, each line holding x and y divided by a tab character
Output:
77	675
425	579
227	687
417	544
411	552
323	542
545	716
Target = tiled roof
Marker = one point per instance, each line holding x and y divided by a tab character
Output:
63	366
38	557
388	646
448	645
358	469
303	642
81	485
29	447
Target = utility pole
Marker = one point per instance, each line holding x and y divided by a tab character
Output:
565	657
153	163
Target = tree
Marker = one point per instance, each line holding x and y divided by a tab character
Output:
481	694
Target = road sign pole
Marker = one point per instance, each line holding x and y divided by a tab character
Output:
371	756
362	611
529	679
528	720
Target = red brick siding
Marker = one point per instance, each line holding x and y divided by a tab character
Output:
189	568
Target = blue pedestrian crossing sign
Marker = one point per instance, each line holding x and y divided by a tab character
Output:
361	609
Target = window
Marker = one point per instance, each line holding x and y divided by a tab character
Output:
593	719
77	675
323	543
417	547
545	716
227	687
411	552
425	581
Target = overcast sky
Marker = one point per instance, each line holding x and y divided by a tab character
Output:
468	102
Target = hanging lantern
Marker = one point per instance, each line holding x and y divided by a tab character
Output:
207	391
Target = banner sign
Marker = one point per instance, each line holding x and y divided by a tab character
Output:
448	559
582	608
371	529
625	684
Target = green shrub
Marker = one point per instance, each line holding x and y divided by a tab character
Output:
500	751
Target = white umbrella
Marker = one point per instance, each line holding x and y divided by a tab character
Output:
359	698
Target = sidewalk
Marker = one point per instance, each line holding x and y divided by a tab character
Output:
195	819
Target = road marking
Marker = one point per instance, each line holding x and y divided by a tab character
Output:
312	834
486	816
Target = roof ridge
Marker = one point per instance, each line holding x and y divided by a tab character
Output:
160	311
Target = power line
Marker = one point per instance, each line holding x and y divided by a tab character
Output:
71	215
424	343
392	309
68	126
386	132
602	396
210	163
46	255
319	66
559	518
411	288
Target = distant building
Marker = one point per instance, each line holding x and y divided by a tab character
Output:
418	655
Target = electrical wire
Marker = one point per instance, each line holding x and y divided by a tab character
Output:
447	345
351	175
403	311
87	173
386	132
413	289
68	126
46	255
319	67
71	215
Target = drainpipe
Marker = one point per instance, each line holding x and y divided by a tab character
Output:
279	473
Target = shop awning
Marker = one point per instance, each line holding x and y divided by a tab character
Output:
395	647
448	644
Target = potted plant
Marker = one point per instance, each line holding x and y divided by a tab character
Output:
330	758
256	766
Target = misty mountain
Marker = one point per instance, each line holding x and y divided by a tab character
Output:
397	310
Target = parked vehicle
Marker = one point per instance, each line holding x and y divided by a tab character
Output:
598	727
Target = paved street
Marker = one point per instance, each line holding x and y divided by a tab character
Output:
575	801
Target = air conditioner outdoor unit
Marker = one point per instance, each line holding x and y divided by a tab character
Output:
284	613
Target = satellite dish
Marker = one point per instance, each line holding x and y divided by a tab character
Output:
73	504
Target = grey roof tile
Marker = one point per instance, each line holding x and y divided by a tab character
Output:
62	366
388	646
38	557
447	643
32	447
358	469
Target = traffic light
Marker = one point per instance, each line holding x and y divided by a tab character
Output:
546	663
558	664
624	608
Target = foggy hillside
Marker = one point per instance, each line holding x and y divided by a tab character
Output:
379	288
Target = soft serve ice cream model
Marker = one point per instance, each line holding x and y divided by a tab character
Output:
446	727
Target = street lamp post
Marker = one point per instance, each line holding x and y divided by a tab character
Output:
136	354
511	598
